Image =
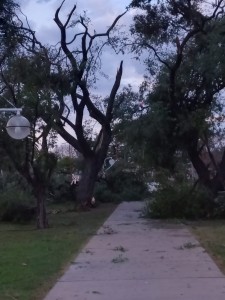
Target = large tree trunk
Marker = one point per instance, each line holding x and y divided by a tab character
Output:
213	183
42	221
200	168
85	189
93	165
194	155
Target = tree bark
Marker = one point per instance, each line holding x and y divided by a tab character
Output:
93	164
42	220
200	167
85	189
213	183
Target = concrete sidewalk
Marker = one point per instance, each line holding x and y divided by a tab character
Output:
131	258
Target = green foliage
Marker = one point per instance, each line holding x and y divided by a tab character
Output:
184	94
179	202
44	166
126	183
104	194
16	205
69	165
219	211
126	105
9	27
11	179
121	184
60	189
176	197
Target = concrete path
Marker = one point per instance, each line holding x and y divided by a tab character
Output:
131	258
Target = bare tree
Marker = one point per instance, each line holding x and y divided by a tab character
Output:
79	63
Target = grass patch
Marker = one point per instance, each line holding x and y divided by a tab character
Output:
211	235
32	260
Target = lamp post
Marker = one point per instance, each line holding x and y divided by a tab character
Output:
18	127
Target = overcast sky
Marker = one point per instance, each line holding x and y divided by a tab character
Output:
40	14
102	13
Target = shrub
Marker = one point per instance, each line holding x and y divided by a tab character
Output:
219	211
10	180
104	194
16	205
121	184
60	189
181	201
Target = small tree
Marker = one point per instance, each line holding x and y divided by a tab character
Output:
31	157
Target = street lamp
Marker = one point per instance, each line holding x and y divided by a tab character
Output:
18	127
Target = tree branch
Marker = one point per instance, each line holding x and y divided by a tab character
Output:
63	38
107	32
113	93
94	112
67	136
86	149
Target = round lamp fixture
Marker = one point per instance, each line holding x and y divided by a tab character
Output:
18	127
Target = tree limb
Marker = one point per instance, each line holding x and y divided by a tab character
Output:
113	93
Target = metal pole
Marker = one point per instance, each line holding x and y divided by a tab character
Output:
11	109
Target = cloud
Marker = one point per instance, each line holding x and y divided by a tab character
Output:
100	11
49	34
41	1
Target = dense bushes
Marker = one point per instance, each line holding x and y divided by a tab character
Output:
121	184
176	197
179	201
16	205
60	189
104	194
16	201
219	210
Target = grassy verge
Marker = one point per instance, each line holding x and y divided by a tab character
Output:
31	260
211	235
